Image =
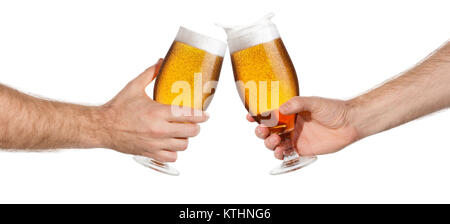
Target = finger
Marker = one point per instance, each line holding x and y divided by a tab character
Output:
176	144
162	156
186	114
250	118
166	156
183	130
262	132
299	104
272	141
278	153
148	75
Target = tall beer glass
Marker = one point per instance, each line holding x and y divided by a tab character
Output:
265	78
188	77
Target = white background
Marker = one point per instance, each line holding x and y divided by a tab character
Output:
86	51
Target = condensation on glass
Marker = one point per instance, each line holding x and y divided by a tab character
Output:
265	79
188	77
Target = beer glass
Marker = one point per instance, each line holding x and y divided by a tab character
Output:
188	77
265	78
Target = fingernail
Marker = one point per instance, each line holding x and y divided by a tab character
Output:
273	140
258	130
206	115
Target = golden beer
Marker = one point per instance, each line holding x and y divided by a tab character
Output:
188	77
183	66
266	64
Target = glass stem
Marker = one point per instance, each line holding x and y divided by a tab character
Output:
292	160
290	155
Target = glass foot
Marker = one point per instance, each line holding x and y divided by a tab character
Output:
293	162
158	166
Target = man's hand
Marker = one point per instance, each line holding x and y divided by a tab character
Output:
326	125
138	125
323	126
130	123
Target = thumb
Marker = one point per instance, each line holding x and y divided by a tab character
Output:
299	104
148	75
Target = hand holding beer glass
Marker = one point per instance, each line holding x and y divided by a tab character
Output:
187	78
265	79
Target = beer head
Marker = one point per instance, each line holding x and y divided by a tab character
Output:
243	37
200	41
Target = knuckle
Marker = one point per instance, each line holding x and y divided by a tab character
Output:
157	111
156	131
131	84
152	131
153	113
295	102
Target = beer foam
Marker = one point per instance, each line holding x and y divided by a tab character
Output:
243	37
200	41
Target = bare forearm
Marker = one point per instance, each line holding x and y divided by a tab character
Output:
27	122
422	90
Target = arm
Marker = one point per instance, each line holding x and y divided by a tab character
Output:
328	125
422	90
130	123
31	123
